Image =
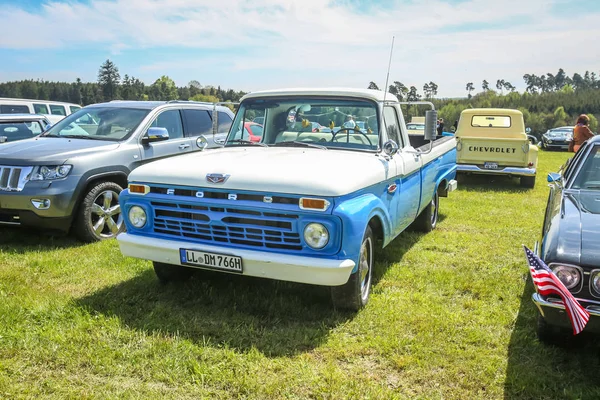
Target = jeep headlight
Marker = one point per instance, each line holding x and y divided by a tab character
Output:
137	216
570	276
50	172
316	235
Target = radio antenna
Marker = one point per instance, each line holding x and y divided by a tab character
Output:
385	89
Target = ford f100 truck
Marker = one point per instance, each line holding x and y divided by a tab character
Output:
494	141
298	205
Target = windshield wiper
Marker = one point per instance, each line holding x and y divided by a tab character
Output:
242	141
83	137
294	143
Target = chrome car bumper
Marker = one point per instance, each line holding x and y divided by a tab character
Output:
294	268
554	313
501	171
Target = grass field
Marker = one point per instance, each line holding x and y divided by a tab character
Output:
450	317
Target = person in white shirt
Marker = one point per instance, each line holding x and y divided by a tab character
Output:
349	122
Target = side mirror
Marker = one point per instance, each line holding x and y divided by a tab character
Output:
155	134
47	127
527	130
390	148
554	177
201	142
430	125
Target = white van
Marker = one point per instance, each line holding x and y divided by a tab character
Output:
53	110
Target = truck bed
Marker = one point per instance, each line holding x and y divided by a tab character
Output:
419	142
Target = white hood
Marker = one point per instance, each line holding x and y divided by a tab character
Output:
305	171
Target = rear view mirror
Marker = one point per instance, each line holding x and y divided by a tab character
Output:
155	134
430	124
554	177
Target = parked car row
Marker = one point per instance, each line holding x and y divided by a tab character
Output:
54	111
315	205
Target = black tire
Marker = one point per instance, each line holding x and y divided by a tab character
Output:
354	294
171	273
427	220
528	182
99	216
550	334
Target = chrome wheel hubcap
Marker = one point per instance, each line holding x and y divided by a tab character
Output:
365	263
106	219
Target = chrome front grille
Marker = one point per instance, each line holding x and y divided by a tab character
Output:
13	179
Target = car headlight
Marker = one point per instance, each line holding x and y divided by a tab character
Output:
50	172
570	276
137	216
595	282
316	235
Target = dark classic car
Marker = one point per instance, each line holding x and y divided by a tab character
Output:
557	138
570	243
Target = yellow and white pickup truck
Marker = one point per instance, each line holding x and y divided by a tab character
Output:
493	141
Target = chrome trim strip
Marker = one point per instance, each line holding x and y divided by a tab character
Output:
507	170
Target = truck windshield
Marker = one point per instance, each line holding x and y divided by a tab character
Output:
327	122
99	123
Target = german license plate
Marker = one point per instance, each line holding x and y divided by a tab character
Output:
490	165
211	260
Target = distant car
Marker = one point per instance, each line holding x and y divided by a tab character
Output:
54	111
253	130
570	242
21	126
415	128
557	138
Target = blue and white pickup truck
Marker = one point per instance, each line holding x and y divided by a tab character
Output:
299	205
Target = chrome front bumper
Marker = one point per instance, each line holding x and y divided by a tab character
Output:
554	313
504	171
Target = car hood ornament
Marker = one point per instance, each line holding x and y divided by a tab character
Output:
216	178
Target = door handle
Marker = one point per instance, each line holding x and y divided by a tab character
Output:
184	146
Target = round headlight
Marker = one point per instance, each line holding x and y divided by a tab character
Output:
316	235
137	216
569	276
596	282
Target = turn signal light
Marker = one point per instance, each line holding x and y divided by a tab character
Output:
313	204
530	164
138	189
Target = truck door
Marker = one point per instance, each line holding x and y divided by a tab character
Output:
177	142
408	173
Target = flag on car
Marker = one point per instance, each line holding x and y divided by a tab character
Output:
548	283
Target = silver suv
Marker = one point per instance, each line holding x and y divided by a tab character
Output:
70	177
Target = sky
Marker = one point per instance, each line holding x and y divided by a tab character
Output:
266	44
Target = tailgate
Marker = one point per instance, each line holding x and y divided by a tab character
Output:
504	152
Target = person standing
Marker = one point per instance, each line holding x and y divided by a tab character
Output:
582	132
440	127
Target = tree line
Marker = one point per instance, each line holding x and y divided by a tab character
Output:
549	100
110	86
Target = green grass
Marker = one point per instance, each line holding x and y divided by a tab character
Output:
450	317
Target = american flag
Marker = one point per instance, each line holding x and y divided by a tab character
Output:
548	283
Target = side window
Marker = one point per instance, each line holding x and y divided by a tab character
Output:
56	109
197	122
171	121
574	163
74	109
390	117
13	109
224	122
40	108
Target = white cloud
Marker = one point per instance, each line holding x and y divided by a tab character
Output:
301	42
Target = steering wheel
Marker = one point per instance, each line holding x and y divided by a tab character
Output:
348	134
